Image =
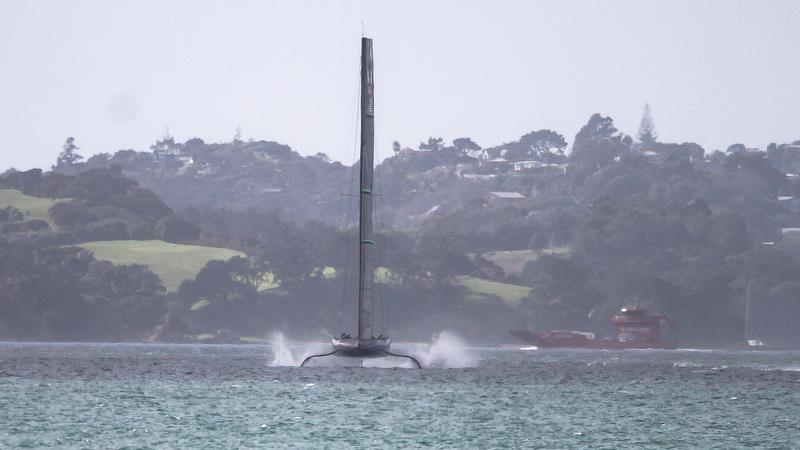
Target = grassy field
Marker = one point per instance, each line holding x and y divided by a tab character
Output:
510	293
32	207
513	261
173	263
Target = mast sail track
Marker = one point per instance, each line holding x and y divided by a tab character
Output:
366	258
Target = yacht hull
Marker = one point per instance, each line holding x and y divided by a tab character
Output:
362	348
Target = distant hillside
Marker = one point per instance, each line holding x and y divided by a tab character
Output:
31	207
513	262
90	205
412	185
173	263
477	240
509	293
260	175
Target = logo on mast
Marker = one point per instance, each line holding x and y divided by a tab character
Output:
370	102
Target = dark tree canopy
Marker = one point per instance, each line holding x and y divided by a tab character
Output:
465	144
432	144
596	145
68	155
662	224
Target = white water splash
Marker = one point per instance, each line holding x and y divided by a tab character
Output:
449	351
286	355
282	354
446	350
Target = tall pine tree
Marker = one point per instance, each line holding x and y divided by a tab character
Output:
647	129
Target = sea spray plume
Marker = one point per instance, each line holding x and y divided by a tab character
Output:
446	350
282	351
449	351
282	354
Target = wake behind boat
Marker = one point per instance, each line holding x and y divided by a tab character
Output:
365	344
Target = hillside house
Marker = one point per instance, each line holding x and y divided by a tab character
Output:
166	149
166	153
523	165
495	163
505	196
478	176
538	166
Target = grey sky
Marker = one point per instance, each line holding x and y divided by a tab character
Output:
116	74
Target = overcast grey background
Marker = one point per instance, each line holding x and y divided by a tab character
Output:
116	74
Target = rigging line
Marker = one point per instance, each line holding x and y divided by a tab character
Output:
344	277
383	297
349	202
348	205
382	253
381	250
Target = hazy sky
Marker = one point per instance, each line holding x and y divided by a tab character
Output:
116	74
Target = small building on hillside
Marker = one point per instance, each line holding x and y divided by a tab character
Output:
478	176
166	149
166	153
522	165
496	162
537	166
505	196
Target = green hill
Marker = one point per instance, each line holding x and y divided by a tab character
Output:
31	207
513	261
509	293
173	263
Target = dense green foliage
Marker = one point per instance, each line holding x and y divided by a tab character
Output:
53	291
62	293
95	204
614	222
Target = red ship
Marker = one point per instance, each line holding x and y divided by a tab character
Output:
633	328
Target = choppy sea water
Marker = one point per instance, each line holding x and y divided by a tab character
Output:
195	396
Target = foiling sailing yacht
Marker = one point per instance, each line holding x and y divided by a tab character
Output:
365	344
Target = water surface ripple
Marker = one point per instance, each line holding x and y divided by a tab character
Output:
194	396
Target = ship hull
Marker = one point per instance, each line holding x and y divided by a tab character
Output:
580	340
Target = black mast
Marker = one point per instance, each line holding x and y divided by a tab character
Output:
366	256
365	345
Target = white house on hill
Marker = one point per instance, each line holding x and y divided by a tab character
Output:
506	195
